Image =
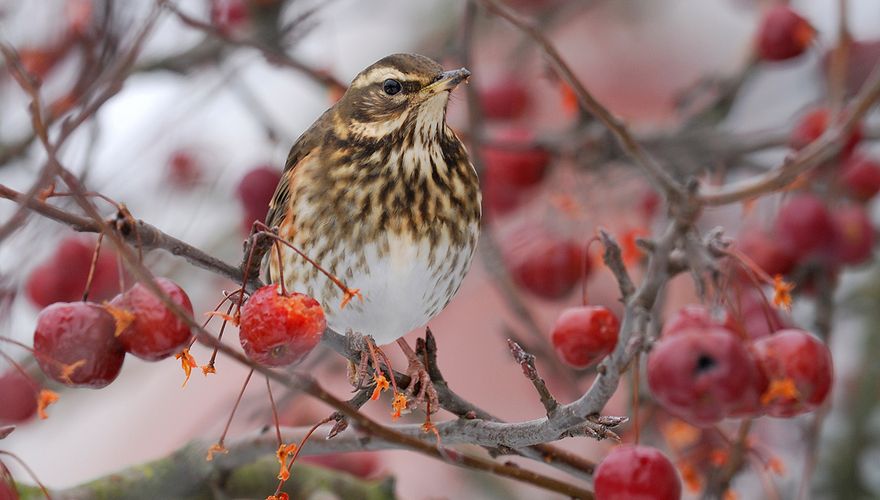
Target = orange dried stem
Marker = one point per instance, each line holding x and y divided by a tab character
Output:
29	471
274	411
234	408
299	448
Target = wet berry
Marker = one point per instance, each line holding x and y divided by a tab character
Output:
584	335
74	343
278	330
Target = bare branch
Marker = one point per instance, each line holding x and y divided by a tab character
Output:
527	362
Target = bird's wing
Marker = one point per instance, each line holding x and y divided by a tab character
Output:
307	143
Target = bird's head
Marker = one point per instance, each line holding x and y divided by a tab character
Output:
396	91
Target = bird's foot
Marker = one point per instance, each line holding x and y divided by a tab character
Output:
361	375
421	391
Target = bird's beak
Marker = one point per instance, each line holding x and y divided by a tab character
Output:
448	80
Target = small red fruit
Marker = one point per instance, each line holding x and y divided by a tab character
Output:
62	278
255	190
74	344
702	375
855	235
783	34
813	124
278	330
766	251
19	398
805	226
517	163
583	335
794	357
504	100
229	15
632	472
184	169
155	331
862	57
544	265
860	177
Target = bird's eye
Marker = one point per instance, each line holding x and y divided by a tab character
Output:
391	86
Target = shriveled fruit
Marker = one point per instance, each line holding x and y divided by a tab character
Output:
799	369
631	472
702	375
583	335
783	34
18	393
74	343
278	330
154	331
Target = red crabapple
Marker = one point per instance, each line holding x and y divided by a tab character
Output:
155	332
783	34
702	375
19	396
854	243
516	164
278	330
804	224
583	335
547	266
860	177
813	124
505	99
255	191
62	278
794	357
74	343
766	251
631	472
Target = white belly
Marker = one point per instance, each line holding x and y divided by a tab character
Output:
402	289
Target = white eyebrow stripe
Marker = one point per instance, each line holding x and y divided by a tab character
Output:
376	75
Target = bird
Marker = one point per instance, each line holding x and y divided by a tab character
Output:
382	194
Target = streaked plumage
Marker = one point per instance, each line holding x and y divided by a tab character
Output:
381	193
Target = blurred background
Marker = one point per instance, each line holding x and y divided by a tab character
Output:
195	139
